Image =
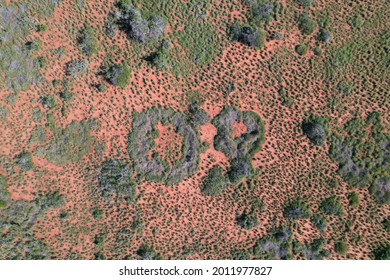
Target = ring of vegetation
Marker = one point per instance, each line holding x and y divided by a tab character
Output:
246	145
239	150
142	143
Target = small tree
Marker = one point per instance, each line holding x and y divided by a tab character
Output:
87	41
354	199
119	75
248	35
301	49
306	24
341	247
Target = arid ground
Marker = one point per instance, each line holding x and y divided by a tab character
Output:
194	129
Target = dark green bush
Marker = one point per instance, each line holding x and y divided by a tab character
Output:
325	36
318	51
332	206
263	12
147	253
141	28
98	214
216	182
341	247
382	253
301	49
319	222
87	41
247	221
119	75
248	35
297	210
25	161
354	199
49	102
306	24
316	130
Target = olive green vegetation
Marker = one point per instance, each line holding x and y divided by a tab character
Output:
18	222
16	58
332	206
341	247
306	24
354	199
72	143
88	42
278	245
382	253
301	49
297	209
119	75
361	154
216	182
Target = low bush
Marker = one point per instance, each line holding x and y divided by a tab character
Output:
119	75
354	199
301	49
87	41
341	247
306	24
332	206
297	210
247	221
77	68
319	222
25	161
248	35
316	130
325	36
141	28
216	182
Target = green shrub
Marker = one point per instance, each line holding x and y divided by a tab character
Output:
301	49
77	68
248	35
316	129
297	210
119	75
341	247
3	204
42	62
147	253
49	102
325	36
247	221
87	41
98	214
305	3
382	253
306	24
216	182
25	161
332	206
263	12
319	222
318	51
354	199
41	28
